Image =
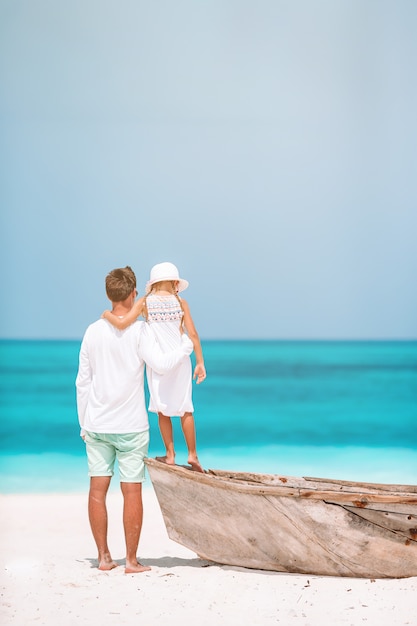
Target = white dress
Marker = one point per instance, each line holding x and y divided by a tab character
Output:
171	393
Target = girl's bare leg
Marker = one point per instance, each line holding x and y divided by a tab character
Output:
188	428
165	428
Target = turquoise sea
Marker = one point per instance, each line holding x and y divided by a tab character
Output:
344	410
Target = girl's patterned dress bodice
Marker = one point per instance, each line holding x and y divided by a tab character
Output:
163	309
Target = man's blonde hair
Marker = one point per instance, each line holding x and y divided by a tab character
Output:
120	283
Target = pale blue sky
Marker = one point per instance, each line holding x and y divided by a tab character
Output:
267	148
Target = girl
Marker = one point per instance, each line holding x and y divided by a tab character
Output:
171	393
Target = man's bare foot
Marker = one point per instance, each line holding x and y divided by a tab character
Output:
195	465
166	459
106	563
136	568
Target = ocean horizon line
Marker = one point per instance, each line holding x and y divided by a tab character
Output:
235	340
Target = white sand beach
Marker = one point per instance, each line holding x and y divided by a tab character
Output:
49	577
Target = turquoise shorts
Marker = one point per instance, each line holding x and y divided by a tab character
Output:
129	449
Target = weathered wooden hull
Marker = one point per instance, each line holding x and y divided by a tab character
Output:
286	524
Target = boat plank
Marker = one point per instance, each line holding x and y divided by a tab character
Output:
359	498
399	522
312	483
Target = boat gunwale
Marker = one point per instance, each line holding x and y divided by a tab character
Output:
364	494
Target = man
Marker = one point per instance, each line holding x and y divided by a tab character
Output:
112	413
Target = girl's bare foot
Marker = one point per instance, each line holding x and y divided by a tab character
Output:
136	568
166	459
195	464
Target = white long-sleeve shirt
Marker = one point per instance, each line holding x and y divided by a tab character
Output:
110	379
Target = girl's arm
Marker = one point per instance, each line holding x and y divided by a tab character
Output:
123	322
199	370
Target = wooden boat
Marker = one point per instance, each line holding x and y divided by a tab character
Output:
286	524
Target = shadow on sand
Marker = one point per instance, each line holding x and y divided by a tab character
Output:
166	561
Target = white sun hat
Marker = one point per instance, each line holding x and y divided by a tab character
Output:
165	271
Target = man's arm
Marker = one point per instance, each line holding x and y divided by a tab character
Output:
153	356
83	383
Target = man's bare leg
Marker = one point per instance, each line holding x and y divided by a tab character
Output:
132	521
165	428
188	428
97	513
